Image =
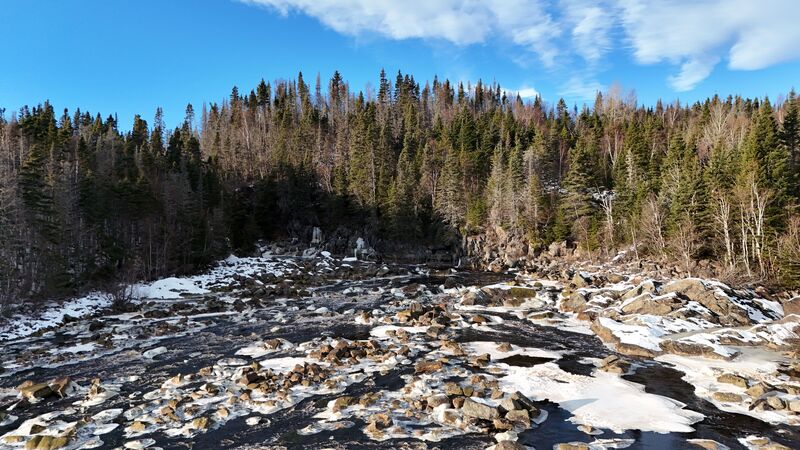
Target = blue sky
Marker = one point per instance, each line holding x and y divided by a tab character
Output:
129	57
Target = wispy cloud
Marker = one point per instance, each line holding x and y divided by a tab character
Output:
693	36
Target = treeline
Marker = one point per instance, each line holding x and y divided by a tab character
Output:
82	202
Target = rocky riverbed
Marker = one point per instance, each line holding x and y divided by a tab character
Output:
278	351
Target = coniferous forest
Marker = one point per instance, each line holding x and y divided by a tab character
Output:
83	202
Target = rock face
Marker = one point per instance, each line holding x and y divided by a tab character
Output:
695	289
792	306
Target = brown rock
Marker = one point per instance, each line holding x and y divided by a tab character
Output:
428	366
381	420
520	416
571	446
342	403
31	390
726	397
509	445
471	408
733	379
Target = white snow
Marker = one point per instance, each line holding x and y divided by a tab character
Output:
603	401
645	337
22	325
169	288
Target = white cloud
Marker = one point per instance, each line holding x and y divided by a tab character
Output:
693	71
524	92
577	35
697	34
526	23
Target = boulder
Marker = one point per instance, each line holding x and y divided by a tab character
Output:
342	403
733	379
520	416
471	408
759	389
695	289
428	366
576	302
645	287
473	298
579	281
381	421
644	304
438	399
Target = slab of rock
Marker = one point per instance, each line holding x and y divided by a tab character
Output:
607	335
686	348
726	397
759	389
571	446
733	379
31	390
509	445
707	444
471	408
40	442
644	304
